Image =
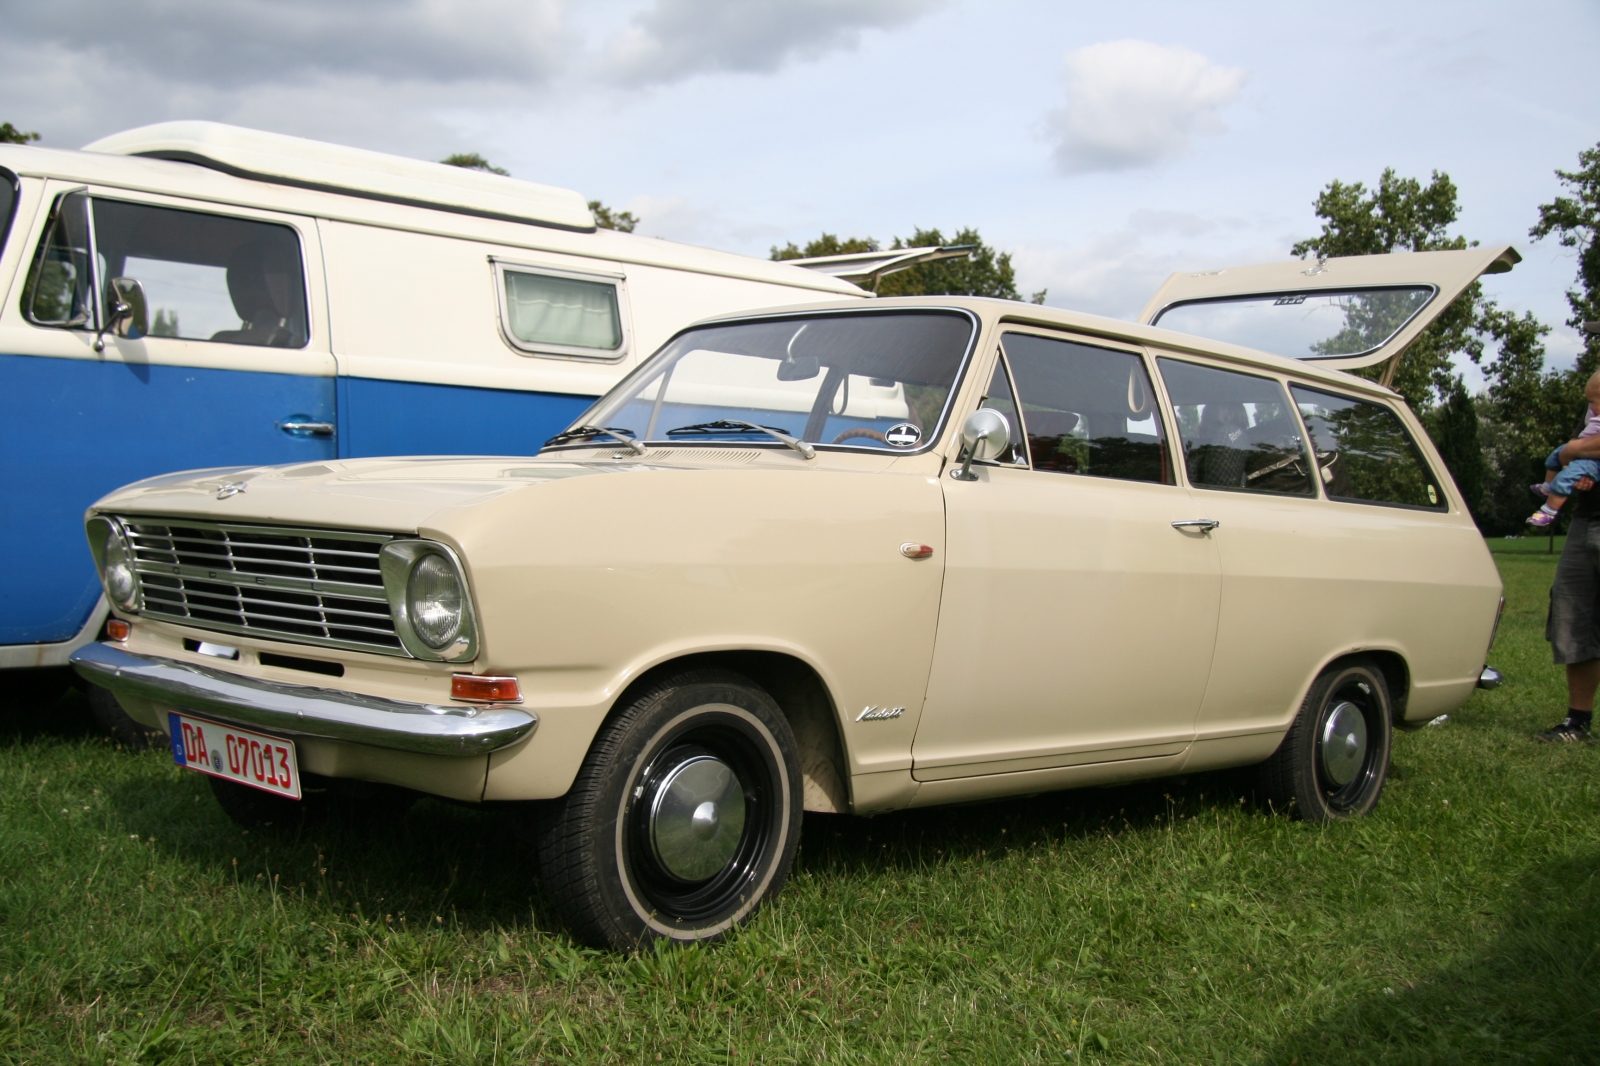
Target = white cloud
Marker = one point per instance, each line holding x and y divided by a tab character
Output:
676	39
1134	103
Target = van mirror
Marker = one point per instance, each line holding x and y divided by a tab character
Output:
985	435
127	311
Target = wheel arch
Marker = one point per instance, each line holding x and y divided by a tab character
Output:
802	696
1390	662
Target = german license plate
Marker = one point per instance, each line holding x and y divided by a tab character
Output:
235	754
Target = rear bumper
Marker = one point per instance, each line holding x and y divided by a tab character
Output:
302	710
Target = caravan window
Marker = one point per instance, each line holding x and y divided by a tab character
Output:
562	313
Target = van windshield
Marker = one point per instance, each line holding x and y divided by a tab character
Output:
877	380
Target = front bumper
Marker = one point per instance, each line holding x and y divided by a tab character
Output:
302	710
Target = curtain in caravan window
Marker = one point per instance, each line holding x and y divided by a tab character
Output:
565	312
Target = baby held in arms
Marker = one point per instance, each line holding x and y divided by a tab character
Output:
1559	480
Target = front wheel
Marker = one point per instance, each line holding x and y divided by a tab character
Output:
684	817
1334	760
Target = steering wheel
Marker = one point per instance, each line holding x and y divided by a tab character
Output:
859	432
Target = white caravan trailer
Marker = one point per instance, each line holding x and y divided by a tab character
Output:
193	295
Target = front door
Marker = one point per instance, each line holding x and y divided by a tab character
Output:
1077	620
227	374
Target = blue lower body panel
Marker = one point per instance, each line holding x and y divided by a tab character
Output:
409	418
75	429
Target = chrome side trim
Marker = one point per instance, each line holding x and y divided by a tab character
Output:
302	710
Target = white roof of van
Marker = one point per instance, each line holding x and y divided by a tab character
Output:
284	160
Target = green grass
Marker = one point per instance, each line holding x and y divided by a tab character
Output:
1164	922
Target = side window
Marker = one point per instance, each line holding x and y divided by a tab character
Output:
206	277
1238	430
58	292
1365	453
561	314
1088	410
8	203
1000	396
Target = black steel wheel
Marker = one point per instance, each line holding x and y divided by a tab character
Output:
1334	760
684	817
109	716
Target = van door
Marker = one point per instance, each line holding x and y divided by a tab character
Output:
227	368
1343	313
449	346
1079	608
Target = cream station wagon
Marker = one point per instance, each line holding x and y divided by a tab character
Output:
849	557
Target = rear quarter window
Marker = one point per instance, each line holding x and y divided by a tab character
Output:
1364	454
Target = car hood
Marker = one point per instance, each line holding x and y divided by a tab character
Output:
383	495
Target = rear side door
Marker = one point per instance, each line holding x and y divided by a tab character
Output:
1344	313
229	367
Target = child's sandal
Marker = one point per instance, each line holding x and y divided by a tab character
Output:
1543	517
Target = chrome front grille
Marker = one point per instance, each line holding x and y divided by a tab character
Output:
308	586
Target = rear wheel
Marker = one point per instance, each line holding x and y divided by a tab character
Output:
684	817
1334	760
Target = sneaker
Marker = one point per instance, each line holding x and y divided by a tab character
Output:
1567	732
1543	517
1542	488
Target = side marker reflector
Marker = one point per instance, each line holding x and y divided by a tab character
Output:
916	551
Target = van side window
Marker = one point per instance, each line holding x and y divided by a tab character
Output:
1365	453
1088	410
8	203
1238	430
206	277
58	289
561	314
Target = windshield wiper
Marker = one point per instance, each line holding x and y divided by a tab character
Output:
586	432
736	425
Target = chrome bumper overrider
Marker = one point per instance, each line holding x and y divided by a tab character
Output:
303	710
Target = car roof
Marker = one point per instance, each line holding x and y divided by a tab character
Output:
995	312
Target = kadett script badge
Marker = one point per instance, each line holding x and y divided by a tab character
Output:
880	714
230	488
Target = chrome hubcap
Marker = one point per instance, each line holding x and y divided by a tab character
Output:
1344	743
697	818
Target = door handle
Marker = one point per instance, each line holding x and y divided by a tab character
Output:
296	426
1204	525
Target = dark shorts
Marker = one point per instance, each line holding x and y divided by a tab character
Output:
1573	627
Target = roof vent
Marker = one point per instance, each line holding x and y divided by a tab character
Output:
306	164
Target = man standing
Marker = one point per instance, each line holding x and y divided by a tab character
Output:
1573	627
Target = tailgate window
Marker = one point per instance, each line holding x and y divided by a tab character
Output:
1326	324
1365	454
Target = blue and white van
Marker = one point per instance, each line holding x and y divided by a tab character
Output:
194	295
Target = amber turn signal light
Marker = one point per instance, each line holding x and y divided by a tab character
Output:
484	689
117	629
916	551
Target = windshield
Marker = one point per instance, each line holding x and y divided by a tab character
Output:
865	380
1324	324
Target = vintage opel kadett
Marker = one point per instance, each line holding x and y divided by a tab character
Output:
851	557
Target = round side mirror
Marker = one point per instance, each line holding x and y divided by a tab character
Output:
985	435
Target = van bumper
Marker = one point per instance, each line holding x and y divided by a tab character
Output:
302	710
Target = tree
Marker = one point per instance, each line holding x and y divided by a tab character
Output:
1575	222
9	134
474	161
983	273
606	218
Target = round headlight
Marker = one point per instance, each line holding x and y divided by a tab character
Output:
122	584
434	600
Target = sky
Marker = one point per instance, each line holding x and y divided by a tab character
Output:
1103	145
